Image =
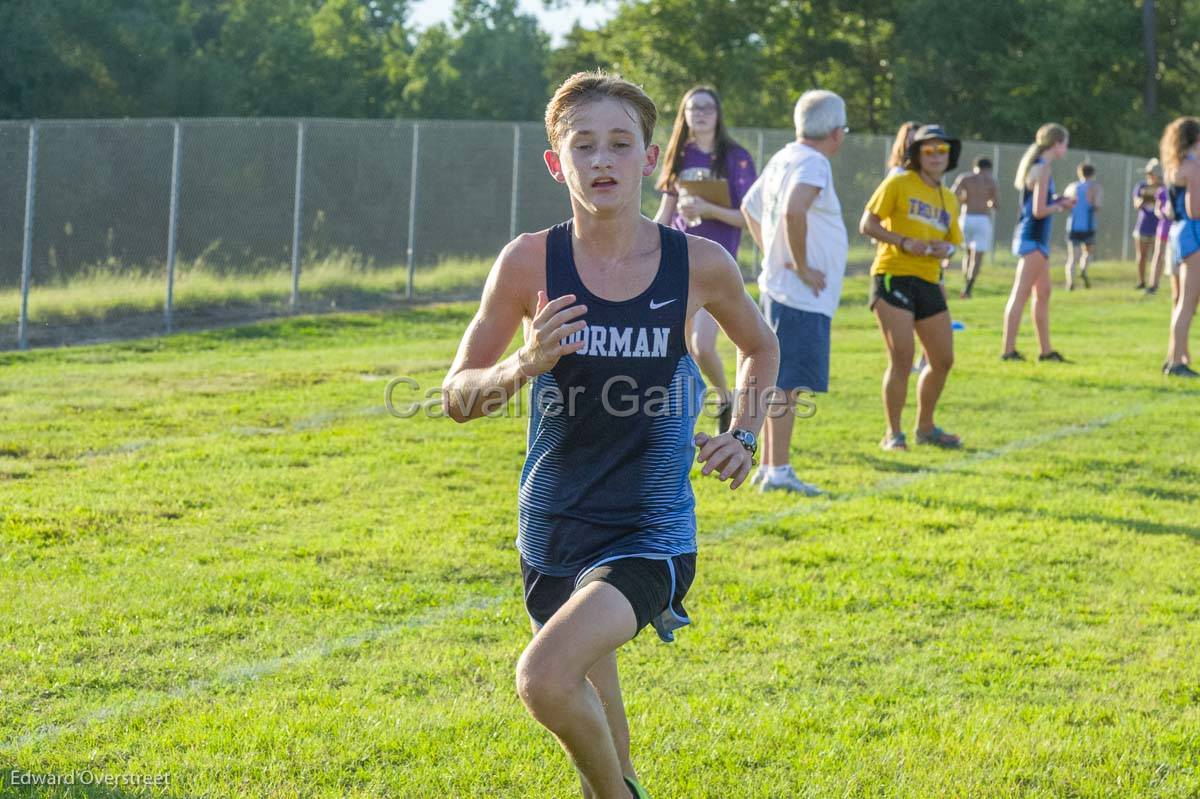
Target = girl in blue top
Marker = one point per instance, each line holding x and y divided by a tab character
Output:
1031	241
1180	149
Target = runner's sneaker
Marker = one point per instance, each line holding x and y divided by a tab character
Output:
759	475
1181	370
1012	356
1052	355
939	438
635	789
897	442
788	481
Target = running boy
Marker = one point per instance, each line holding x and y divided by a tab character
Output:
607	525
976	190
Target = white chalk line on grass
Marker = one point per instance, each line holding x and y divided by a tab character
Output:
247	672
904	480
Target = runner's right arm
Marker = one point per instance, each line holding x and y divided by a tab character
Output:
479	382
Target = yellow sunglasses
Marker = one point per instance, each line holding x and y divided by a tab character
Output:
935	149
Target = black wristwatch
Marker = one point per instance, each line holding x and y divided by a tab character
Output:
746	439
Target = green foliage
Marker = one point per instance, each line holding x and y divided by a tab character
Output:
985	69
489	64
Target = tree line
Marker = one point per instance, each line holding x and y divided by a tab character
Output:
1112	71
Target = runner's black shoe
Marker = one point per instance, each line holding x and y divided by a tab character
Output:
1012	356
1052	355
1181	370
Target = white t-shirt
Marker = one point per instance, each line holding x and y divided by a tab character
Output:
827	243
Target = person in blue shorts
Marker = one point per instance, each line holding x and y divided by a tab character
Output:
1180	156
1081	224
794	215
606	527
1031	241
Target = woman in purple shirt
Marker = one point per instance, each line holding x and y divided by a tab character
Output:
701	148
1145	227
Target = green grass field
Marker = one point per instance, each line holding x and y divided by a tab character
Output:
224	562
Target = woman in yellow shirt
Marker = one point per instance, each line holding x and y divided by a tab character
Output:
915	220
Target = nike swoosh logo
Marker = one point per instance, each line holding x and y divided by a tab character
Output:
654	306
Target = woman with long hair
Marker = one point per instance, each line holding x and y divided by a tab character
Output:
1031	241
700	148
1180	151
915	220
899	152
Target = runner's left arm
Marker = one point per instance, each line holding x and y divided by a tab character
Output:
719	289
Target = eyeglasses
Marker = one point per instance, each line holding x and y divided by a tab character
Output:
935	149
702	108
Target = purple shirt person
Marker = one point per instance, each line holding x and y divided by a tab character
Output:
739	172
1147	222
700	148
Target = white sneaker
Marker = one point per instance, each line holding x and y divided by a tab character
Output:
788	481
758	476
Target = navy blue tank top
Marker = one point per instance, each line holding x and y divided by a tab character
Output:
610	432
1178	197
1030	227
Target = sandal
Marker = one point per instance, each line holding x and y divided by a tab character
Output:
939	438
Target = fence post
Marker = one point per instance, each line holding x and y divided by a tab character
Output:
1127	205
172	229
516	167
759	166
27	238
297	212
412	208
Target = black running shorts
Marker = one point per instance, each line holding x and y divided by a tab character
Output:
646	583
919	297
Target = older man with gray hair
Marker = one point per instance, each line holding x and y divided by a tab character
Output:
795	217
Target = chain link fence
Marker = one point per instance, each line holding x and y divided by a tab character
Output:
134	227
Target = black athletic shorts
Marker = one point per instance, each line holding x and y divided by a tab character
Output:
655	589
919	297
1082	236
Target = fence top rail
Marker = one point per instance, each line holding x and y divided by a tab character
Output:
439	123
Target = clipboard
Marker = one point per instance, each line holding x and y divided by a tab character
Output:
715	191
